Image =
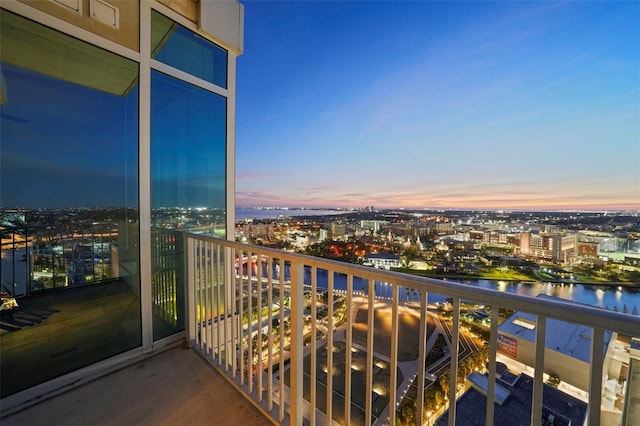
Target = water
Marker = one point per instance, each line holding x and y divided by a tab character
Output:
243	214
609	297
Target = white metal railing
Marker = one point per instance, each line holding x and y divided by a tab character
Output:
253	312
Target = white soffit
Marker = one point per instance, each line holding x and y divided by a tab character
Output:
224	21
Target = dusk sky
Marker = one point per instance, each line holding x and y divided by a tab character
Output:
515	105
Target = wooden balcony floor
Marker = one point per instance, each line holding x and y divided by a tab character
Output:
176	387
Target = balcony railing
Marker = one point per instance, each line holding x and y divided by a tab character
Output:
310	339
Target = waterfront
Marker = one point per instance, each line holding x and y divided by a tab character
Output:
613	298
609	297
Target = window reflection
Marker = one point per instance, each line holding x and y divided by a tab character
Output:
188	185
176	46
188	135
68	204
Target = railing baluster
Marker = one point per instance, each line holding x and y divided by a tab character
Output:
422	356
227	284
225	278
250	321
209	294
205	302
270	333
221	320
159	279
369	356
203	297
281	279
393	368
296	384
314	317
200	302
595	376
211	319
329	408
493	346
233	306
170	289
208	320
196	262
191	314
455	350
348	346
538	375
259	326
240	301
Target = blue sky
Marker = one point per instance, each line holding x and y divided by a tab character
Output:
517	105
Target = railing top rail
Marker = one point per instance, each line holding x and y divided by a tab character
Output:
587	315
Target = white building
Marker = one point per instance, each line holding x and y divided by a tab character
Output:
382	260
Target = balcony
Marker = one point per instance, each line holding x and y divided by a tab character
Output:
309	339
174	387
306	339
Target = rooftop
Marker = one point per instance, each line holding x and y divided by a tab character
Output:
516	409
567	338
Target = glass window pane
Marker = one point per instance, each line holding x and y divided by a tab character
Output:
177	46
188	185
68	204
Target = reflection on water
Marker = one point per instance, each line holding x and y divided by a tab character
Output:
615	298
618	294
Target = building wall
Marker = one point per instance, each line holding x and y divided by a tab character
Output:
570	370
587	249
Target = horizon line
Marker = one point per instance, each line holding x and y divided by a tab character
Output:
478	209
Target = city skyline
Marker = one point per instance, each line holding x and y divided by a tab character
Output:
527	106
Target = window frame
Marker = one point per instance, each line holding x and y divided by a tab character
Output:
145	64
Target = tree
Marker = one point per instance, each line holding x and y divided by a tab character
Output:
407	256
553	380
613	276
407	414
633	276
443	381
433	398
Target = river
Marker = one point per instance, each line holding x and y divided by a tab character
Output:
609	297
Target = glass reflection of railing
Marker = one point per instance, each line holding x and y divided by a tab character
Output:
35	260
